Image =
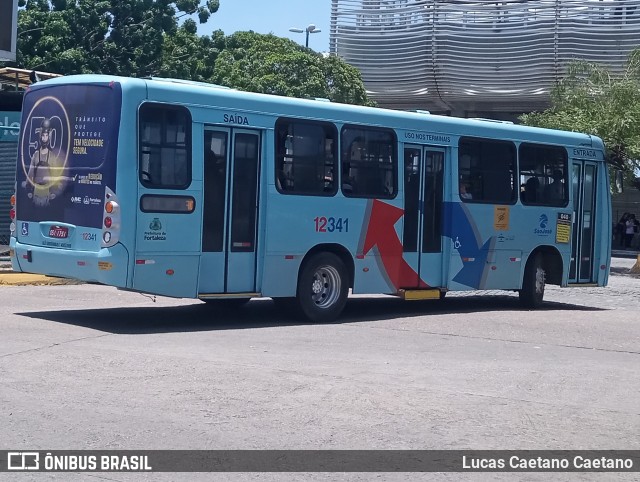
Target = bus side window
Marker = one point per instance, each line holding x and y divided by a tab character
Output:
305	157
369	162
487	169
165	146
547	167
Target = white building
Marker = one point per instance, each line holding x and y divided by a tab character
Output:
478	59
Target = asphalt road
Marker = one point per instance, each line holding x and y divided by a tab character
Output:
91	367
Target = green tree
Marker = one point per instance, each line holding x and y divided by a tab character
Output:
54	37
186	55
275	65
592	100
146	37
123	37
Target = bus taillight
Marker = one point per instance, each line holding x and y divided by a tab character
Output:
110	220
12	211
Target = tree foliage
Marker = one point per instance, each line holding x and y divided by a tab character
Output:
275	65
123	37
188	56
150	37
592	100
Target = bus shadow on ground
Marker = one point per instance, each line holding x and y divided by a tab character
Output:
263	313
359	309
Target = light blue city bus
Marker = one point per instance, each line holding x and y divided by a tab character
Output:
192	190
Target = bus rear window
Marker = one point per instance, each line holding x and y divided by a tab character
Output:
165	146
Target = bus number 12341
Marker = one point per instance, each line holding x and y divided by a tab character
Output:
324	224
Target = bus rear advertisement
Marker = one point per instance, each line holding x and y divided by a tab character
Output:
192	190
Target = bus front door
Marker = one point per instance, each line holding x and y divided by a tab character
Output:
230	193
583	185
422	232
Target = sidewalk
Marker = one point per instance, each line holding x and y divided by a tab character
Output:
8	277
11	278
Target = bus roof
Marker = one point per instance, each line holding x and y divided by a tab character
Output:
204	94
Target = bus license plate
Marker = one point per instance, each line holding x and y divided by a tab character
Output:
59	232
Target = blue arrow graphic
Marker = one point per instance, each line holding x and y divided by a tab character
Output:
460	228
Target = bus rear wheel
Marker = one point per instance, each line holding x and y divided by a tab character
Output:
533	283
323	288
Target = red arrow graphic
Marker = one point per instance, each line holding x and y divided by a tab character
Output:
382	233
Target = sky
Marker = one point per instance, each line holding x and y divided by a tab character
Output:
273	16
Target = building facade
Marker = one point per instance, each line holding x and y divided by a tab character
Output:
478	58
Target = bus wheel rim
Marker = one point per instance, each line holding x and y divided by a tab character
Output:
325	286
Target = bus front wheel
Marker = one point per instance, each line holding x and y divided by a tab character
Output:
533	283
323	288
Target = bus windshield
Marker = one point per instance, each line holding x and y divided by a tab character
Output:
67	152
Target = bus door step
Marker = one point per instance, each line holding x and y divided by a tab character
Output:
412	295
582	285
215	296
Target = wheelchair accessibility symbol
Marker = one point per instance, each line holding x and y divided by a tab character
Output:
457	244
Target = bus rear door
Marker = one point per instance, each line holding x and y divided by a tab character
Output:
230	212
422	233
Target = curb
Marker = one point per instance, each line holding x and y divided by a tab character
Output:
12	278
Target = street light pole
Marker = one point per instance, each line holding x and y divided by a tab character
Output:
311	28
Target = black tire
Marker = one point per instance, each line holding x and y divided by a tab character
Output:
533	283
323	287
227	303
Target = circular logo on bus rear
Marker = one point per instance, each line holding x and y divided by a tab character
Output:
44	150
